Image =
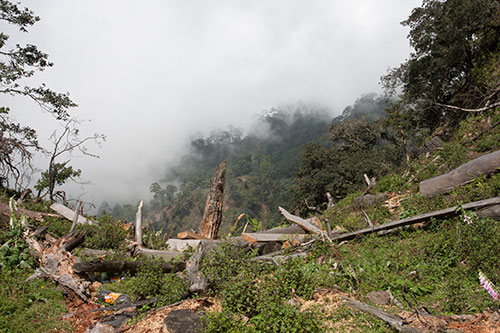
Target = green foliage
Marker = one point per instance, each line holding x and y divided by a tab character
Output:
261	166
391	182
259	292
19	63
14	253
106	234
455	59
357	145
151	282
224	263
59	174
30	307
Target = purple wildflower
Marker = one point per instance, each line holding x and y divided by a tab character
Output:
489	286
467	219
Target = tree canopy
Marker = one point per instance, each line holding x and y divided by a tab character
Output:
455	60
18	63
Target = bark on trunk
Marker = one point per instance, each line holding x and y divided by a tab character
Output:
117	266
484	165
212	216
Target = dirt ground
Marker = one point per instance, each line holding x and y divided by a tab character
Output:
329	300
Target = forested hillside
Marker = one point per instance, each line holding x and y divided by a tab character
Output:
412	246
270	165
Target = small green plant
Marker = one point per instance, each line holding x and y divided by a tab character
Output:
14	253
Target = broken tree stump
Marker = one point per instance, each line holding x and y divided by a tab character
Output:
212	216
483	165
56	262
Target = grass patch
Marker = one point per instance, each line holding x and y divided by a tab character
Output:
30	307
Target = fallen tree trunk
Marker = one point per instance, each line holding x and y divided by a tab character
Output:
271	237
69	214
484	165
5	210
212	216
394	320
189	235
304	224
117	266
418	218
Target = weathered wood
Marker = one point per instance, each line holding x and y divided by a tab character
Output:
418	218
189	235
5	210
78	210
492	212
56	263
138	224
212	216
198	283
305	224
394	320
175	244
23	195
73	239
167	255
235	225
484	165
68	213
267	237
293	229
368	200
117	266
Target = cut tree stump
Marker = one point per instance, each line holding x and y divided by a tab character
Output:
212	216
466	173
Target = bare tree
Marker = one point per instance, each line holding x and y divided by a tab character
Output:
67	142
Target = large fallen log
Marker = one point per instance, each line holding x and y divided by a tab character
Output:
304	224
253	237
212	216
5	210
276	234
416	219
69	214
117	266
394	320
484	165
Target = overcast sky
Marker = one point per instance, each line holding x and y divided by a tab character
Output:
151	73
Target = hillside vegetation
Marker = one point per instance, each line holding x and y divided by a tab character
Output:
442	274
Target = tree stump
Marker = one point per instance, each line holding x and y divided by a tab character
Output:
212	216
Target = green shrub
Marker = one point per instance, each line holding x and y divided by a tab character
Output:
226	262
106	234
391	183
151	282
